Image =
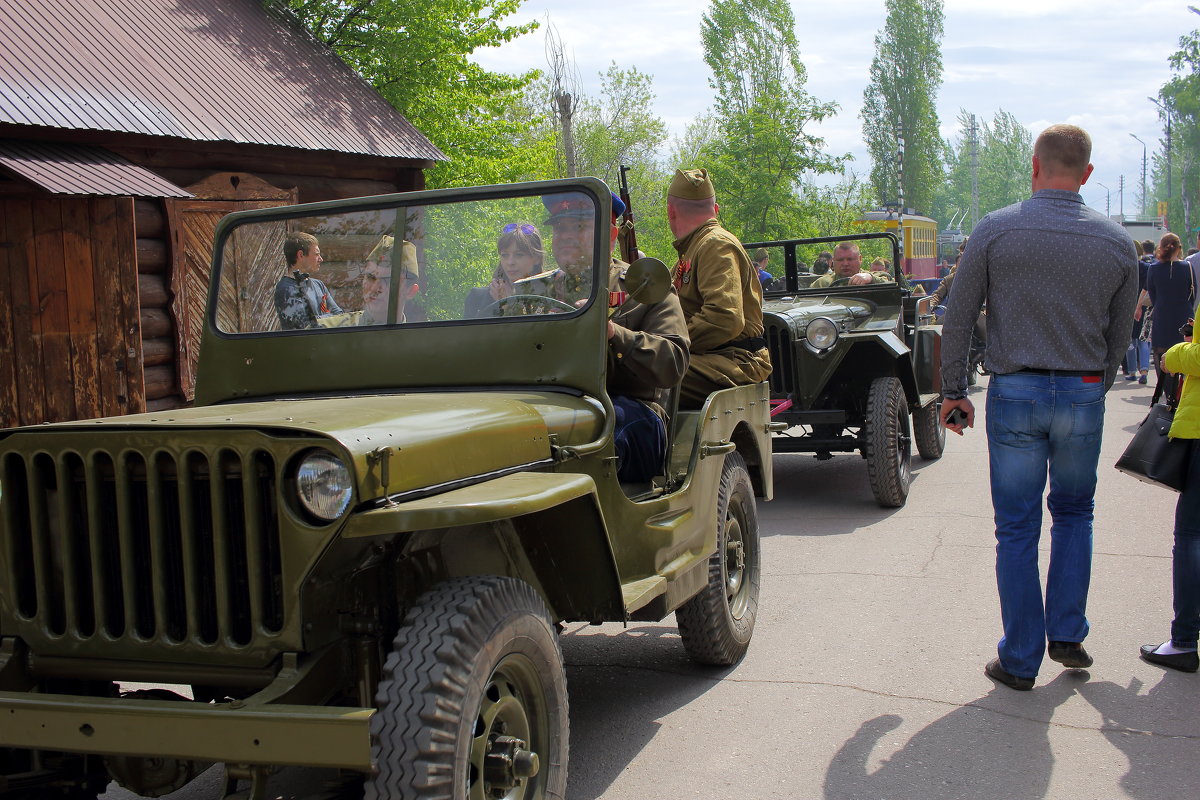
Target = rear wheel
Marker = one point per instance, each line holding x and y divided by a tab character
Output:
928	431
716	624
473	701
888	445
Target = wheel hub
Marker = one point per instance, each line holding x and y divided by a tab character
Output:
509	762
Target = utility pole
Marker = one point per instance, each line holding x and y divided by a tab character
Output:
1107	199
1143	144
1121	196
973	139
1165	112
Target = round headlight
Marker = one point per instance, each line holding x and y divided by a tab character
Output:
323	484
821	333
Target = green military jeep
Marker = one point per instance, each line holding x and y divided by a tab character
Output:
354	550
855	368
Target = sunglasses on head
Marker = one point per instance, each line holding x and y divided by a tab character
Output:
524	228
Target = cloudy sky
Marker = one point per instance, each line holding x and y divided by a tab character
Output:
1093	63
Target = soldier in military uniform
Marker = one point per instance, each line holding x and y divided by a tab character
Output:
573	220
847	267
719	292
647	344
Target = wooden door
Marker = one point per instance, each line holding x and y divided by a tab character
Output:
243	302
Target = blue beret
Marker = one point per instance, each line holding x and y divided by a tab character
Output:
617	205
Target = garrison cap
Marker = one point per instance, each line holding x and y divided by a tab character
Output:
382	251
691	184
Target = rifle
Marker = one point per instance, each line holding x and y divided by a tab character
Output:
626	235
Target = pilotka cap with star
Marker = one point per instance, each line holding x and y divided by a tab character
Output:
691	184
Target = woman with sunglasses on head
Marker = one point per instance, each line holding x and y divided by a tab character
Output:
521	255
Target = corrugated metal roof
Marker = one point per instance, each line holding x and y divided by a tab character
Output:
206	70
82	169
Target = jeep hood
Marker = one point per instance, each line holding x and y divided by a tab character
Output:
434	437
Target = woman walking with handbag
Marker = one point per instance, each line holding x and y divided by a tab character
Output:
1179	652
1171	290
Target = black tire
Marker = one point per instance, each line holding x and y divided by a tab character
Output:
475	665
928	431
888	442
716	624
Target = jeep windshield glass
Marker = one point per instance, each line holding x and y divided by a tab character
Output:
358	266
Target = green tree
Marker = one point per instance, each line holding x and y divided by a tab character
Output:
1180	96
762	150
1000	166
901	101
416	54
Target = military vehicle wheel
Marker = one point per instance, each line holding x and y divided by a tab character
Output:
716	624
888	442
928	431
473	700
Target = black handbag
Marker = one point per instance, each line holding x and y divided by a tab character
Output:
1153	457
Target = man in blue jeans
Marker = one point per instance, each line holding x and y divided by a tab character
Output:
1060	283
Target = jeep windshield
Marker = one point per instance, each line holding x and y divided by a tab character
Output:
378	263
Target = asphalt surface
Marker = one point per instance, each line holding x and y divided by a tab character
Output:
865	676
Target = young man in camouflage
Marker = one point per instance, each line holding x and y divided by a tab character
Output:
300	298
719	292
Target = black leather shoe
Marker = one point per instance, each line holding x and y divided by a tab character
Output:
1184	662
998	673
1069	654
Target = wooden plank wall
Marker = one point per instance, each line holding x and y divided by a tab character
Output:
72	344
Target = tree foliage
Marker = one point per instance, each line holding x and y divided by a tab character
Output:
762	151
415	53
1003	160
901	100
1181	97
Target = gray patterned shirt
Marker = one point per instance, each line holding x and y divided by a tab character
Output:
1060	281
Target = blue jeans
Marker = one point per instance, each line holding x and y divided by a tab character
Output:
641	441
1137	357
1038	424
1185	557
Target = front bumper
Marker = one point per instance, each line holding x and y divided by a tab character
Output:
234	733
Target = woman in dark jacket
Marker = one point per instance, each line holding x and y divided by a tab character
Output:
1172	294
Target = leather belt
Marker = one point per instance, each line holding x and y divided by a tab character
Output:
753	344
1064	373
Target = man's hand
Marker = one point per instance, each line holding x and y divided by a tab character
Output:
861	279
966	407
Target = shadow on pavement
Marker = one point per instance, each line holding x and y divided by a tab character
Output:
1136	724
621	685
997	746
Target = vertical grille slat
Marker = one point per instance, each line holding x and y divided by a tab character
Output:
20	536
154	546
49	587
191	580
783	365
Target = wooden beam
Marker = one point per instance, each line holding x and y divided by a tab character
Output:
81	307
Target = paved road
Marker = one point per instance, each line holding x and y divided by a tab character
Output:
865	678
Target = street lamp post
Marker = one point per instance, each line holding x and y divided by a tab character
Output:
1143	144
1107	199
1166	112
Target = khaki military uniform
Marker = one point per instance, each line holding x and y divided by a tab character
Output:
648	352
829	277
722	301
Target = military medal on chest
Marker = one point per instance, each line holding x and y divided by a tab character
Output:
683	273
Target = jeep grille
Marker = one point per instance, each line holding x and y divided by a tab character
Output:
146	547
783	365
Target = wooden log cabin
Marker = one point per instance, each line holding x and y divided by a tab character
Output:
128	128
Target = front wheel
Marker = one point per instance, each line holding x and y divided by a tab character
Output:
928	430
716	624
888	446
473	700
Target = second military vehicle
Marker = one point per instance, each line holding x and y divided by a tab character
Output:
855	369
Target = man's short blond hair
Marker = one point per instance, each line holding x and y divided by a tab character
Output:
846	246
1064	149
